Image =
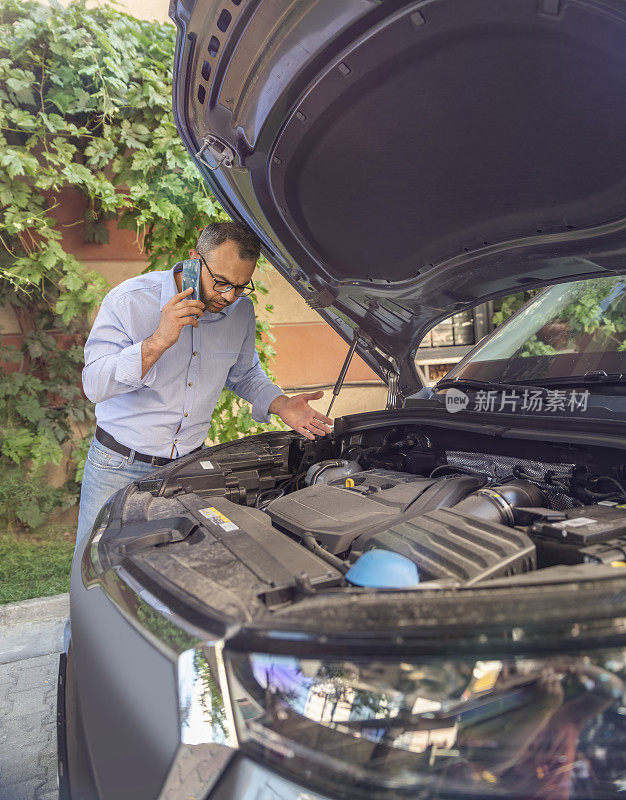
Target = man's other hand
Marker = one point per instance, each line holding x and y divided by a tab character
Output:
297	413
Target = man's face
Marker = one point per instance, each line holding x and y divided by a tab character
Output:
226	265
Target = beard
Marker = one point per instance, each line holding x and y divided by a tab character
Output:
211	301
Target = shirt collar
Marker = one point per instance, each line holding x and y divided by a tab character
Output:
169	289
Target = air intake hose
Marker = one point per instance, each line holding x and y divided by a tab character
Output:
501	503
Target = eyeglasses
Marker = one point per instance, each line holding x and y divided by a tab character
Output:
222	287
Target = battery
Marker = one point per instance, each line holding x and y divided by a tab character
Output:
583	527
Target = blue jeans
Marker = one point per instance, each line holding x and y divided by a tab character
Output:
106	472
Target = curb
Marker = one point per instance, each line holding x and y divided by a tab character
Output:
39	609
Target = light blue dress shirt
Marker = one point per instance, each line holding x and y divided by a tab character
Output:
167	413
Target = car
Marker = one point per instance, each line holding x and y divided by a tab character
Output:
431	601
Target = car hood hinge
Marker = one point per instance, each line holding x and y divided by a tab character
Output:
395	398
223	154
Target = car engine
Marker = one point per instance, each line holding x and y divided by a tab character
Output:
302	516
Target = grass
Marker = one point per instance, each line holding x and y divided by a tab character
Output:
35	564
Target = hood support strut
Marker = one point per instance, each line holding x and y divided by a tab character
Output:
344	369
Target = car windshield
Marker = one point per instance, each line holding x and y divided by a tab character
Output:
574	329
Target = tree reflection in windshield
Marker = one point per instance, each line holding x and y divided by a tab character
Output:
570	329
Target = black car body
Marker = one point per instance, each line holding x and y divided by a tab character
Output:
425	604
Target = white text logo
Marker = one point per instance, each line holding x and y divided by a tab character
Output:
456	400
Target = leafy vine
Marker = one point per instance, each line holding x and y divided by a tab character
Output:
85	102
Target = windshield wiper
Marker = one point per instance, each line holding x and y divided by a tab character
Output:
592	378
474	383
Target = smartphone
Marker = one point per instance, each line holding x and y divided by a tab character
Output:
191	278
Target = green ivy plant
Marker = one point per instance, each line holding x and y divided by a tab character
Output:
505	306
85	102
591	311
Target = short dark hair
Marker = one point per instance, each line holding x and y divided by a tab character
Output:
215	234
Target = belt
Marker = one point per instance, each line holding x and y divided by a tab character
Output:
157	461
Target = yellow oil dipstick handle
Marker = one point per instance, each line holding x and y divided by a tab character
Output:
344	369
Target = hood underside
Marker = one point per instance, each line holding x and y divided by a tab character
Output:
402	162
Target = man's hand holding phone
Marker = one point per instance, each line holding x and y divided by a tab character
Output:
181	310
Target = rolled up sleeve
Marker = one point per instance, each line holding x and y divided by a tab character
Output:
128	367
112	359
248	379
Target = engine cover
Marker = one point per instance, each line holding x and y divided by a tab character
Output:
338	512
449	545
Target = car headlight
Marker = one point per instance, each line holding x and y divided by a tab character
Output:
435	728
91	564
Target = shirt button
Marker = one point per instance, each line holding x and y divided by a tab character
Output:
195	352
185	414
190	383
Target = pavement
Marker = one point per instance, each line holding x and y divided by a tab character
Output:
31	638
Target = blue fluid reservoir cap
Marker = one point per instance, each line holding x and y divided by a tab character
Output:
382	569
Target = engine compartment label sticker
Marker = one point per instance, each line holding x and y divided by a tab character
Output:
213	515
576	522
206	464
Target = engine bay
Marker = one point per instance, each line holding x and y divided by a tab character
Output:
399	507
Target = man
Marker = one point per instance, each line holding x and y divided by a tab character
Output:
156	362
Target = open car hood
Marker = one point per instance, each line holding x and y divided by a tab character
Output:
402	162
